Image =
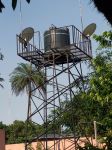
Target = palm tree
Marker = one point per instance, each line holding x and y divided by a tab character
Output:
24	78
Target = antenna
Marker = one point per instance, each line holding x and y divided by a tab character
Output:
81	17
27	34
90	29
20	10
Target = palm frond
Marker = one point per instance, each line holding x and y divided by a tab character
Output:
23	75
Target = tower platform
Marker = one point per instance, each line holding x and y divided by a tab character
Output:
59	56
79	49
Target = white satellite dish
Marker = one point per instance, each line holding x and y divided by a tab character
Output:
27	34
90	29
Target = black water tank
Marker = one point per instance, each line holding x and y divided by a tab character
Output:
56	38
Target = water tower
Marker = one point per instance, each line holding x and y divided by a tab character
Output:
62	62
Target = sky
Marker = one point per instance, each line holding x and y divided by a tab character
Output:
39	14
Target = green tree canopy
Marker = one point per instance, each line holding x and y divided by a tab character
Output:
104	40
15	132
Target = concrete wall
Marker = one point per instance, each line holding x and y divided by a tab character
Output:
59	145
2	139
15	147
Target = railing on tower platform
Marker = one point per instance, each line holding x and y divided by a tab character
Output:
80	48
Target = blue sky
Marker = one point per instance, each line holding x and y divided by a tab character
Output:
40	14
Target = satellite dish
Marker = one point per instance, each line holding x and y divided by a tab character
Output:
90	29
26	34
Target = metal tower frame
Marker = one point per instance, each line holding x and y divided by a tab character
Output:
64	70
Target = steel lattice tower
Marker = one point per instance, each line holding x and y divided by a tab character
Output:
64	70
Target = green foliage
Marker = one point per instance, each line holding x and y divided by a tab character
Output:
28	1
77	115
26	78
1	6
23	76
101	90
108	141
104	40
104	6
100	80
89	146
94	104
14	4
2	126
15	133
